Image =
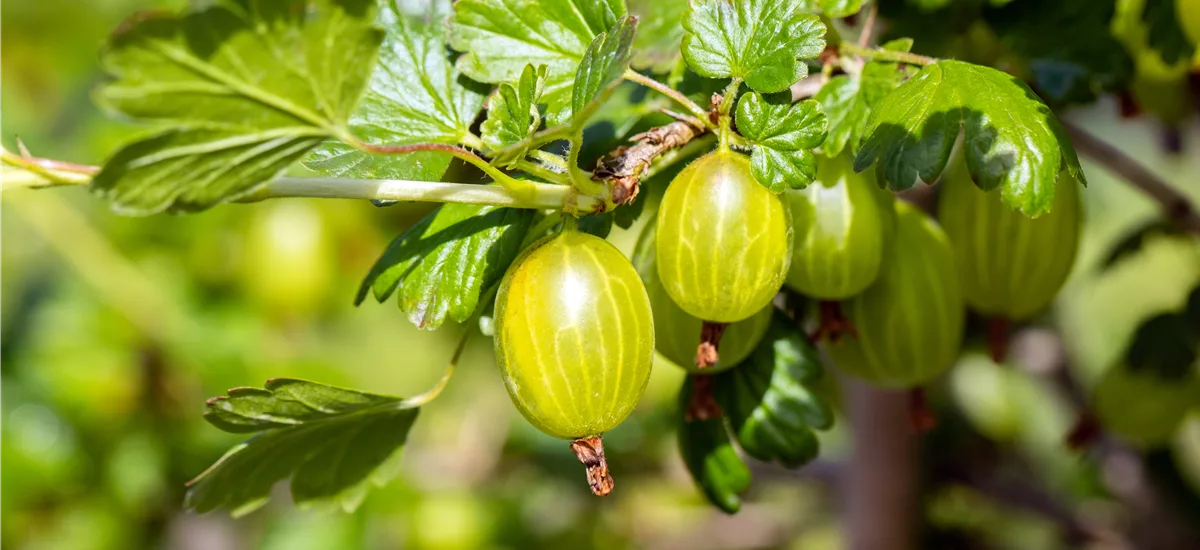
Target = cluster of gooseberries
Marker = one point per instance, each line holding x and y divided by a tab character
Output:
577	324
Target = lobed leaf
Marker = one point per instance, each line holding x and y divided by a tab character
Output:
763	42
849	100
601	70
331	442
415	96
770	401
782	134
1166	345
513	114
1166	35
245	88
443	264
501	37
1012	140
711	459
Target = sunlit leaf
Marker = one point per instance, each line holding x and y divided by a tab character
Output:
332	443
245	89
783	134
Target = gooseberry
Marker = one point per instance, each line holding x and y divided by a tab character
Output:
677	334
574	339
1009	265
910	320
840	224
724	241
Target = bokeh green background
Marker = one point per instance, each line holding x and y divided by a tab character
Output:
116	329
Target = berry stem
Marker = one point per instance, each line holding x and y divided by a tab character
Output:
702	405
997	338
848	48
920	416
707	353
634	76
590	451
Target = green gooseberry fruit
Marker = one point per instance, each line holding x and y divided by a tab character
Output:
1009	265
841	221
910	320
677	334
574	335
724	241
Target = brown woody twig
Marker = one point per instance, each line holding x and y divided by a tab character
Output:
624	167
1175	206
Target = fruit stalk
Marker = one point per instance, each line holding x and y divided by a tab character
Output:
707	353
703	403
590	451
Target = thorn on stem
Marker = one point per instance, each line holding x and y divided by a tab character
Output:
590	451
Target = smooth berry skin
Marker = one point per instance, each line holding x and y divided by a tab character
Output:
574	335
841	221
677	334
724	241
910	320
1010	265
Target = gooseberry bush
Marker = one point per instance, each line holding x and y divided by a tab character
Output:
758	146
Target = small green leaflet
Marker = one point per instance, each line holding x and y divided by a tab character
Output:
710	457
1013	141
660	29
763	42
848	101
1166	34
1165	345
782	133
415	96
835	8
245	88
770	401
442	265
513	114
333	443
501	37
601	70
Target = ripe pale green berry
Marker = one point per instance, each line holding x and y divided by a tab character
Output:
1010	265
724	241
574	335
910	321
840	221
677	334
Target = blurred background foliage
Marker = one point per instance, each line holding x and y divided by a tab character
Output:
115	330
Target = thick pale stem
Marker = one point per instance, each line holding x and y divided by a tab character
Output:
539	196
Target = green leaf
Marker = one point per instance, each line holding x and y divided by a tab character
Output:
770	401
513	114
415	96
1132	242
848	101
331	442
660	29
1166	34
711	459
601	70
1164	345
1013	140
501	37
763	42
835	8
1067	44
782	134
245	89
445	262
